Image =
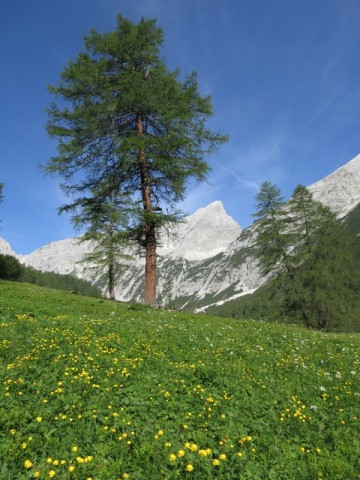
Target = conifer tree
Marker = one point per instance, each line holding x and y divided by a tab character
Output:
118	111
326	270
305	248
104	217
273	239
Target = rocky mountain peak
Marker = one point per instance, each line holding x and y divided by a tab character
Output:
5	248
204	234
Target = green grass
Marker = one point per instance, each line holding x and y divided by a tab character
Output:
93	389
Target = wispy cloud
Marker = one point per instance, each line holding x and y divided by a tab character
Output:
237	175
251	185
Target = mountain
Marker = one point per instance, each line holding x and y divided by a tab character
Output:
205	260
5	248
340	191
200	237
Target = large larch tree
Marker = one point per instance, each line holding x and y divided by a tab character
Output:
118	111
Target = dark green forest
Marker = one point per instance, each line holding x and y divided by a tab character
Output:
12	269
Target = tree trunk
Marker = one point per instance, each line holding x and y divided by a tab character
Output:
111	267
150	265
111	281
150	236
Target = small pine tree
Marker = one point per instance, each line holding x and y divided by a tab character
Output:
273	240
105	219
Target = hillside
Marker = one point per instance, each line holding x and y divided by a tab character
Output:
101	390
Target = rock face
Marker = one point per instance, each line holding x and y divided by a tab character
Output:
5	248
207	259
203	234
340	191
62	257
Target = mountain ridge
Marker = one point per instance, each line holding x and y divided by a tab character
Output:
340	189
207	259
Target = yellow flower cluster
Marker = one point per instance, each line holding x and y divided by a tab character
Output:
296	410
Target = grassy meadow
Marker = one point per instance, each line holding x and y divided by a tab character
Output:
97	390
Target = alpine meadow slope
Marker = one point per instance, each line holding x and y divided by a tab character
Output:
94	389
205	260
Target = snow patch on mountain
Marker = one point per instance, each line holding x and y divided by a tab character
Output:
221	302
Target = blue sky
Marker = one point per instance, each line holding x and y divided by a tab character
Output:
283	76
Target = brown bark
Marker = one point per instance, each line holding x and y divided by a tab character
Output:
150	267
111	280
111	269
150	237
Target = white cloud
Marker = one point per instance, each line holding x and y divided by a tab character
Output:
249	184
